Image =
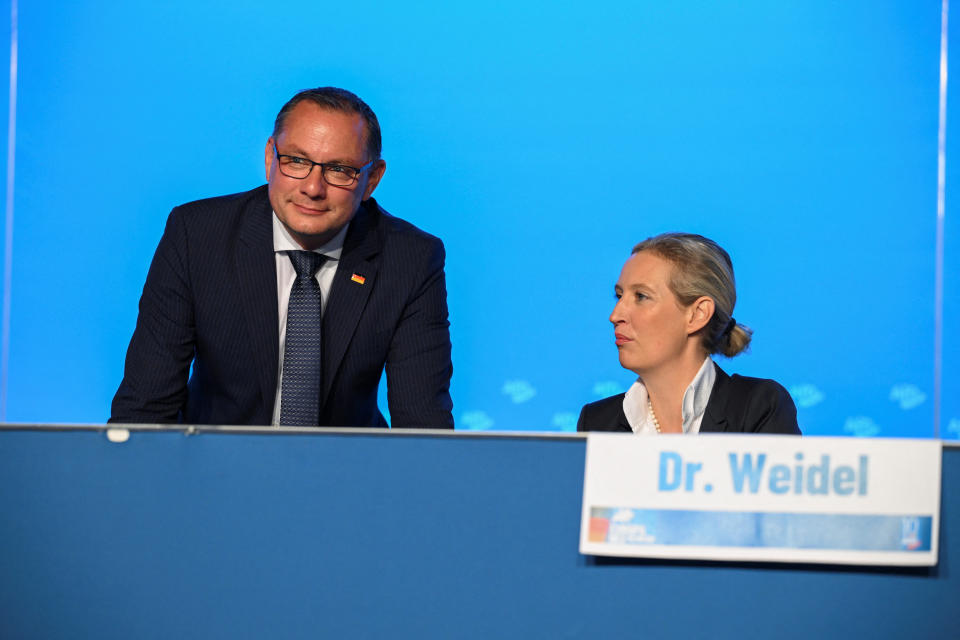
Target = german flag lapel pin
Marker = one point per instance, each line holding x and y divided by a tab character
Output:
359	279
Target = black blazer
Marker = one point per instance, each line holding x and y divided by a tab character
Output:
210	301
737	404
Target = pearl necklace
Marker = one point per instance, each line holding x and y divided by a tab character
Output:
653	415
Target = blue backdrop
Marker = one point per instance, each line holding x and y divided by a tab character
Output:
802	136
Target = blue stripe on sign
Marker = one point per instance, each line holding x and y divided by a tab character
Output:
758	529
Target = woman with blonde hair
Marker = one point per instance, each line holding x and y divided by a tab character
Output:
674	309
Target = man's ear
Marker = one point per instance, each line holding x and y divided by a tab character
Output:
699	314
376	172
268	156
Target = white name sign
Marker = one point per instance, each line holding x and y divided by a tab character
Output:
762	498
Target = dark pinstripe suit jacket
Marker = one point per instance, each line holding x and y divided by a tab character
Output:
211	300
737	404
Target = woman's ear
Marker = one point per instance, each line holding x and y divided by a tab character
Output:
699	314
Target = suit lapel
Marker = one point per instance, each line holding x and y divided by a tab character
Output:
257	275
610	416
715	415
349	294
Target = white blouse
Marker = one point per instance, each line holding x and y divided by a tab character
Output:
695	399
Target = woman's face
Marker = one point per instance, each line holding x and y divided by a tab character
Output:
650	325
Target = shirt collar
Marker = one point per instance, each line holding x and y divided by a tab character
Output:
636	410
283	241
697	395
695	400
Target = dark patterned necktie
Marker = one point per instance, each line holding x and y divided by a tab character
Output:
300	386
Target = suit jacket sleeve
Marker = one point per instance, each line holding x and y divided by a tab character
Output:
770	409
604	415
154	385
418	363
582	421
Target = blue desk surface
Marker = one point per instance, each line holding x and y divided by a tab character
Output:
386	535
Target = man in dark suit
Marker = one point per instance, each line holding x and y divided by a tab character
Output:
239	284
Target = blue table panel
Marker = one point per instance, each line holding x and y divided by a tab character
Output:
386	535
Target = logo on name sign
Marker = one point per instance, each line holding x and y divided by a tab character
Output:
910	533
621	526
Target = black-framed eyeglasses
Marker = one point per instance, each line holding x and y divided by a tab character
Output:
337	175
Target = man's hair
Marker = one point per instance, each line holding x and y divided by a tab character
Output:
701	267
335	99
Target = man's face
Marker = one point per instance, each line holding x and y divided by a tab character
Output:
312	210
